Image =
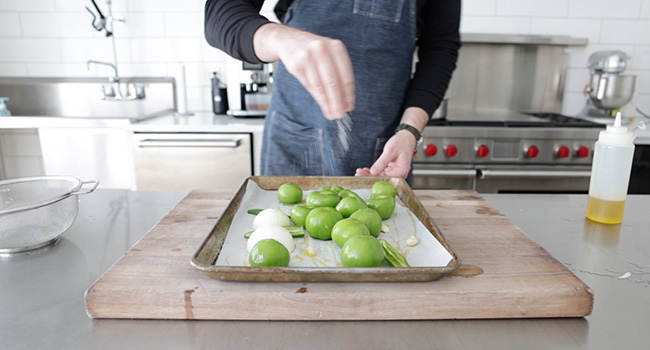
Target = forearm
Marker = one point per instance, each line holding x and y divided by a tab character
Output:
416	117
268	40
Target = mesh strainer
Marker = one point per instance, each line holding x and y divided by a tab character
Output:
35	211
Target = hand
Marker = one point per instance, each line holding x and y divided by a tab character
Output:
322	65
396	158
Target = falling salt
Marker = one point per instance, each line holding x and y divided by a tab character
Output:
343	131
340	140
625	275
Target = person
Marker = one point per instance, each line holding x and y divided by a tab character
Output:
345	101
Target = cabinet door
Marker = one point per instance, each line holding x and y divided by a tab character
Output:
180	161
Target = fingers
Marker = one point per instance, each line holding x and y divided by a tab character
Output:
330	79
380	164
395	159
363	172
322	65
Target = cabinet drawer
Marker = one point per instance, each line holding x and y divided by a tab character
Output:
187	161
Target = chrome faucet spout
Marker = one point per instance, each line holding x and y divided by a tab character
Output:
114	77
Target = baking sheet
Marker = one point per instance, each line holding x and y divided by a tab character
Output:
223	253
402	225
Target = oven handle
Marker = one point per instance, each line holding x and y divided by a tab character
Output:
445	172
231	143
483	173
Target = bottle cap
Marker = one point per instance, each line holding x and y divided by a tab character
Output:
616	134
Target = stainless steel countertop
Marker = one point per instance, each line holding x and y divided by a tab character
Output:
42	292
196	122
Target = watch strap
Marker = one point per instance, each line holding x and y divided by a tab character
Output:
412	130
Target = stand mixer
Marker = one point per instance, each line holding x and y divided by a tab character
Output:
608	89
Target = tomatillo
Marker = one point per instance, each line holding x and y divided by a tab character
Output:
289	193
348	193
349	205
384	205
320	221
382	188
362	251
348	228
322	198
298	214
370	217
269	252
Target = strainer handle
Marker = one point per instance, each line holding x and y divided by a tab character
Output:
93	183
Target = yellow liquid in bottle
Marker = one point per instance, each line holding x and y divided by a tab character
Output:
604	211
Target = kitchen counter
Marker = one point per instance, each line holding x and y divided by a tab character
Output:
42	292
196	122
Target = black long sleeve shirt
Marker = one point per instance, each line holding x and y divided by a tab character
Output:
231	24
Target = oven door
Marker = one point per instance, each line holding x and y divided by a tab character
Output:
533	179
443	176
640	176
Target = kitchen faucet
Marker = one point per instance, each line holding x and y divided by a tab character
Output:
115	91
115	78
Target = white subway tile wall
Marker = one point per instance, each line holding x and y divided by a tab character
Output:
54	38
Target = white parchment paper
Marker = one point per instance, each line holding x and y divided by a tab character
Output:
402	225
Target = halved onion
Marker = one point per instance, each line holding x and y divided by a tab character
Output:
271	216
275	232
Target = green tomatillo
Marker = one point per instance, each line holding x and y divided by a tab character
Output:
384	205
298	214
348	228
322	198
349	205
289	193
362	251
320	221
382	188
370	217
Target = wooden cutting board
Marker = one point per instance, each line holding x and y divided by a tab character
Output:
504	274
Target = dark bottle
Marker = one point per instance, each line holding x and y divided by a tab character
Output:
219	95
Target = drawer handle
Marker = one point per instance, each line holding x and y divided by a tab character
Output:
232	143
484	174
445	172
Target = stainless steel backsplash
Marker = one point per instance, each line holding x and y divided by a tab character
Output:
510	73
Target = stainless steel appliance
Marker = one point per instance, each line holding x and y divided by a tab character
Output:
187	161
506	152
608	89
249	88
503	131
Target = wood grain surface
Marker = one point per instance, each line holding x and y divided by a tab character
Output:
504	274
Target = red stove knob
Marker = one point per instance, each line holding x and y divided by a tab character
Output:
563	151
430	150
582	152
532	151
451	150
482	151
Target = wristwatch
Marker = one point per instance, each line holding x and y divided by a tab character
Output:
412	130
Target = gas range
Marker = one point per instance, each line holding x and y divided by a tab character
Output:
544	138
514	147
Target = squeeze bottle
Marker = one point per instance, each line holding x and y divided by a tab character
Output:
219	95
610	174
3	107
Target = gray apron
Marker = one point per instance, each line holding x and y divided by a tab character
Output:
380	38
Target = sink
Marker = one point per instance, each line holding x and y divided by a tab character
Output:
87	97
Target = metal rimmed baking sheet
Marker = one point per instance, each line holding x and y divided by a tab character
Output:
223	255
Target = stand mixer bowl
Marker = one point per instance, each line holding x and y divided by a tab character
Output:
611	91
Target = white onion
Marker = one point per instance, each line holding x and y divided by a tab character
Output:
275	232
272	216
